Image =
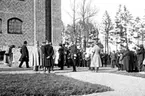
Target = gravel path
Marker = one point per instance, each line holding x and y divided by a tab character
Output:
123	85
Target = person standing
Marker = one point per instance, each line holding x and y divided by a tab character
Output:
73	54
9	55
126	59
52	59
113	59
42	53
120	67
48	56
24	55
36	54
96	59
140	57
61	57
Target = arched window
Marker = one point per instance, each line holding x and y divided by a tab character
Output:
15	26
0	25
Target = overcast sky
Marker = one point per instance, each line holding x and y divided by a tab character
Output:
136	8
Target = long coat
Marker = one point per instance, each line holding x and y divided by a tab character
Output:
36	54
24	53
126	59
42	55
131	61
48	52
61	57
140	55
96	60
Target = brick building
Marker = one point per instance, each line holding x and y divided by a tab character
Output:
30	20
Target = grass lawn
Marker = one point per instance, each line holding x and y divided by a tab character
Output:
45	85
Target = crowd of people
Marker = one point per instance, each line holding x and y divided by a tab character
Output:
45	57
126	59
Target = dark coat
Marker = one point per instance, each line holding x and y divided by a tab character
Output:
48	52
73	50
132	61
42	55
61	57
126	59
140	55
24	53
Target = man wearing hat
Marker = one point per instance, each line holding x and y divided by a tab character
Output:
24	55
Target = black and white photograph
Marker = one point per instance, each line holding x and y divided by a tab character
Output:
72	48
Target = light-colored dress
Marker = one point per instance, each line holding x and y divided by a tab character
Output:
96	60
35	57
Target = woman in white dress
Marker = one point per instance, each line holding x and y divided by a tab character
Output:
96	60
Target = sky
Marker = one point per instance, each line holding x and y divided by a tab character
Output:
136	8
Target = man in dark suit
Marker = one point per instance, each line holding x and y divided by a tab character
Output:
73	52
61	57
48	56
52	59
24	55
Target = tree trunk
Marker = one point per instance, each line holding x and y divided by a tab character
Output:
107	42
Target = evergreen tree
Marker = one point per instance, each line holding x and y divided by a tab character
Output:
123	22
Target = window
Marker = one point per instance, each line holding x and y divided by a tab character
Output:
15	26
0	25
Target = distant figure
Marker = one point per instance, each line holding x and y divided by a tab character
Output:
73	54
128	60
96	59
24	55
140	57
52	59
61	57
9	55
120	67
42	55
48	57
113	59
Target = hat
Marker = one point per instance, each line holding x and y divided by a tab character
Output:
25	42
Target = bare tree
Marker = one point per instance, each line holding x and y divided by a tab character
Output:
107	27
81	12
74	18
86	12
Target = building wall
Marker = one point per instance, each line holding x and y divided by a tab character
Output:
57	25
22	10
40	20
